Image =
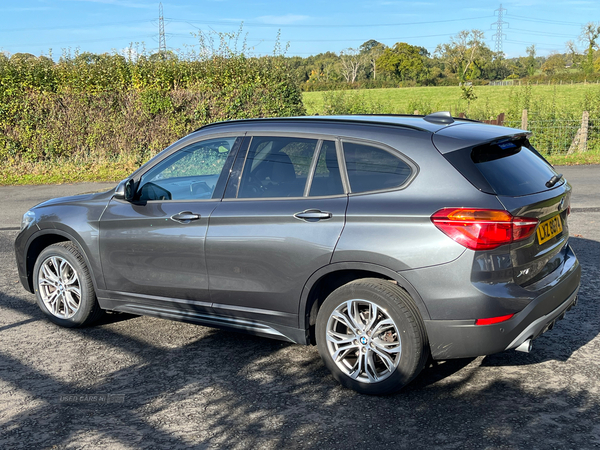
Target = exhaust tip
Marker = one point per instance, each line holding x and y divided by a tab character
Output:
525	347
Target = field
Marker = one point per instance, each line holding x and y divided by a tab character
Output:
554	111
491	100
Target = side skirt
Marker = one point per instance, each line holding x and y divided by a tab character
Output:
283	333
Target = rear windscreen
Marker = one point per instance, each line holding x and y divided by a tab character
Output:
513	169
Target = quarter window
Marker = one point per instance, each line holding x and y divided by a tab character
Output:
372	168
188	174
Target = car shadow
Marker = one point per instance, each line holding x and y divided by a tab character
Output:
580	325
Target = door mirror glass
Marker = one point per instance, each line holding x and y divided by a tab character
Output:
129	193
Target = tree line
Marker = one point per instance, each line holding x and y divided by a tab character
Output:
466	58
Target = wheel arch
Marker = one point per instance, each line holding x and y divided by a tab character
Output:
45	238
328	278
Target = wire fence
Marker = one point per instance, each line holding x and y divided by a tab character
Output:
551	136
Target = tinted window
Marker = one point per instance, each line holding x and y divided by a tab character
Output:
372	168
327	179
512	169
188	174
276	167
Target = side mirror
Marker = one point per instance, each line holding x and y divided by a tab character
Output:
125	190
120	191
130	186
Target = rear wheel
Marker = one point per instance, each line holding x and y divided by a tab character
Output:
371	336
63	286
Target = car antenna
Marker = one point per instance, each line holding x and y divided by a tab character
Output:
441	117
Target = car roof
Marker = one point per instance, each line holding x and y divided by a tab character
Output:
452	133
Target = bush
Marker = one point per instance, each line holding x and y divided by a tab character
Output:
90	106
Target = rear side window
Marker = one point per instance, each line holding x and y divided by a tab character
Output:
513	169
372	168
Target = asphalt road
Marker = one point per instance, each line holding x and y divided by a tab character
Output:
175	385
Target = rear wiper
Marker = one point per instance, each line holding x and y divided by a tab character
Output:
552	181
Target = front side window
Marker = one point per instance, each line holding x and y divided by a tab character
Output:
276	167
188	174
372	168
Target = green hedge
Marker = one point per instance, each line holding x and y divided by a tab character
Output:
105	106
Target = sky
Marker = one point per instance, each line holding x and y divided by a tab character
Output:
306	27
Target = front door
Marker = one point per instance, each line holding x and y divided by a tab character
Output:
152	249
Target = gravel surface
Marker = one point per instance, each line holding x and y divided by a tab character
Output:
140	382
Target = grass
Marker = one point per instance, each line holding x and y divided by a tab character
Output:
65	171
491	100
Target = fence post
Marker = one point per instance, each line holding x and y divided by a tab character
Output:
585	120
579	143
524	120
500	119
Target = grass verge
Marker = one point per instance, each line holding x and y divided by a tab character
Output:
65	171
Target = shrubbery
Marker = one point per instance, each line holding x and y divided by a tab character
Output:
98	107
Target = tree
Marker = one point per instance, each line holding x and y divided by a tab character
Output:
403	60
554	64
351	61
464	55
531	60
574	57
590	33
372	50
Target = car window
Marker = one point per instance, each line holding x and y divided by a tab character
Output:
188	174
511	168
372	168
327	179
276	167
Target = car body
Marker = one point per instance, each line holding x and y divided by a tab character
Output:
347	231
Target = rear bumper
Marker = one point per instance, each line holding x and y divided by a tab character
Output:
463	339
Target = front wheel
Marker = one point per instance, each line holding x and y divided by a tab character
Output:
371	336
63	286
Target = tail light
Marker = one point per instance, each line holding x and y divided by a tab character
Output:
483	229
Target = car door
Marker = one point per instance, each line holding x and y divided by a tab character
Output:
279	222
152	248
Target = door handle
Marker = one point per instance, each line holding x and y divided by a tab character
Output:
185	217
313	215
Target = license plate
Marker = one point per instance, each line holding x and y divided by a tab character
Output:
549	228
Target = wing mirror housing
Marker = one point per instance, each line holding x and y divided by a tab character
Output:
125	190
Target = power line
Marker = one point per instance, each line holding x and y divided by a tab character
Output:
537	20
268	25
66	27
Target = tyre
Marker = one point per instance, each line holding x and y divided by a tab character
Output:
63	286
371	336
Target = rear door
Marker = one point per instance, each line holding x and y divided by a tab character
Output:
282	215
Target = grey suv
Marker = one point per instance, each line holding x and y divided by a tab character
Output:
384	240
